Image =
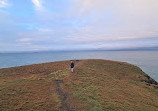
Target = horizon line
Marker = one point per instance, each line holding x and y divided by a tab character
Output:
78	50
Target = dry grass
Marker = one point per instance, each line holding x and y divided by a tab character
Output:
30	88
96	85
101	85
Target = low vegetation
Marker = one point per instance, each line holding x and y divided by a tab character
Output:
95	85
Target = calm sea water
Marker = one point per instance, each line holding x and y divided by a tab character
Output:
146	60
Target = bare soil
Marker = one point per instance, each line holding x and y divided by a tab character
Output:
64	98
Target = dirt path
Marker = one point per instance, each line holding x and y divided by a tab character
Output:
65	106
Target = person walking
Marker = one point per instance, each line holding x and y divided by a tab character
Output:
72	66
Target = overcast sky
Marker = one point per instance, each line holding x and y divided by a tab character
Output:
33	25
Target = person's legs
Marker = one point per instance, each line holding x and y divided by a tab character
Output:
71	69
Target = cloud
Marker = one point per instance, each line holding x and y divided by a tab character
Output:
124	18
68	24
25	40
38	4
47	30
4	3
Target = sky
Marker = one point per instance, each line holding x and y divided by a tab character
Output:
38	25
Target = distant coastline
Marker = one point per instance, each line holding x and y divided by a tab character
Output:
80	50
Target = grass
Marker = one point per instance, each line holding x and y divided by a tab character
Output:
28	95
110	86
96	85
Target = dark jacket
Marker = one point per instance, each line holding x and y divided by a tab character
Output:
72	65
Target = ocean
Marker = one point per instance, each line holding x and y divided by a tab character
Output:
146	60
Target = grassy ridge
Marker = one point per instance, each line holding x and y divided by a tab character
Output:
96	85
28	88
110	86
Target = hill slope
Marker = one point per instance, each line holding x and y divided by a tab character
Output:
96	85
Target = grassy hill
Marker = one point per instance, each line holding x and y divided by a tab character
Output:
95	85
